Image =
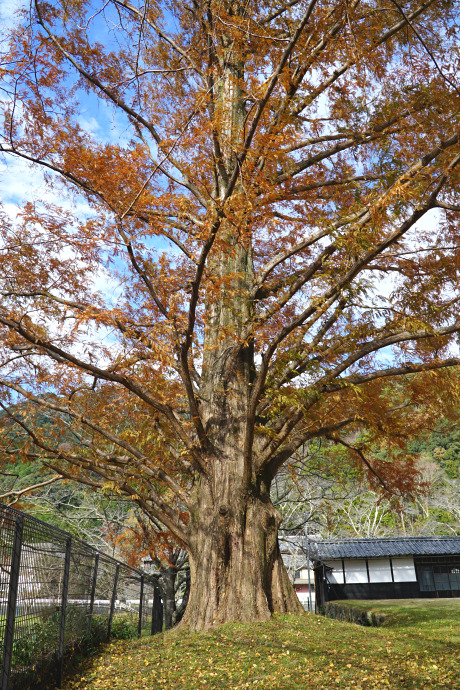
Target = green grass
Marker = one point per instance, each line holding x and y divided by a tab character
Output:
418	647
433	618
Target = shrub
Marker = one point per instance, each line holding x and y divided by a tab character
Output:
123	629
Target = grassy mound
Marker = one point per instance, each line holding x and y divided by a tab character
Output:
418	647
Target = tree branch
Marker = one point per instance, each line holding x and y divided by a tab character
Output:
135	387
393	339
16	494
269	89
272	463
138	457
116	99
164	36
411	368
168	516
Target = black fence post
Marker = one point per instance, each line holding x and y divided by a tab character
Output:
91	601
12	598
65	594
141	602
112	603
157	611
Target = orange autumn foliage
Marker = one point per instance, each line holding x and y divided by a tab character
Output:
249	240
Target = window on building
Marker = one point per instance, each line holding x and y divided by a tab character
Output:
426	579
441	581
379	570
404	570
455	578
438	577
356	571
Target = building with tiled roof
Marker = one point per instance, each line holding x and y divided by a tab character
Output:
390	568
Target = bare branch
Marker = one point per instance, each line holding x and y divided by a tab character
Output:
265	271
361	455
410	368
164	36
269	89
16	494
378	344
344	67
447	207
272	463
277	13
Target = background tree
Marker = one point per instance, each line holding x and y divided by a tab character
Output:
321	493
104	519
272	229
157	549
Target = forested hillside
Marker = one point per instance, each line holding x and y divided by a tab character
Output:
442	446
334	499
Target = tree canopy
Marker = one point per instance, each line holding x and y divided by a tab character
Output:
250	234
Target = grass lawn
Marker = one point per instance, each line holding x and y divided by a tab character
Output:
417	647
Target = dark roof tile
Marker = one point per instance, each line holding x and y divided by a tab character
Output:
395	546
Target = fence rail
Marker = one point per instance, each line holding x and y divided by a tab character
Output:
57	594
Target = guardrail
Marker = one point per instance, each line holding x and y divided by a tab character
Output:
57	593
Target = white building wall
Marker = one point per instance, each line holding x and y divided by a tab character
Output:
336	576
404	569
356	571
376	570
379	570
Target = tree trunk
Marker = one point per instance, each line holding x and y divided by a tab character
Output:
237	573
236	569
166	582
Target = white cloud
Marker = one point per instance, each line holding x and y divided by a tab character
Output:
20	182
8	10
89	124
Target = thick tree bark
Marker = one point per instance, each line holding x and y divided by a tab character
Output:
236	569
237	573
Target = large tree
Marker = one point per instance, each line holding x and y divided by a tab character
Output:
253	228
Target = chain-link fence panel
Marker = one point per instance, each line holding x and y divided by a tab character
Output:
58	594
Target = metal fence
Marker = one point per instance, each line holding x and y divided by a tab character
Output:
58	594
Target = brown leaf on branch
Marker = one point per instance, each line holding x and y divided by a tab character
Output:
249	240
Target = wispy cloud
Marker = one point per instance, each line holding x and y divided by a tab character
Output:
20	182
8	16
